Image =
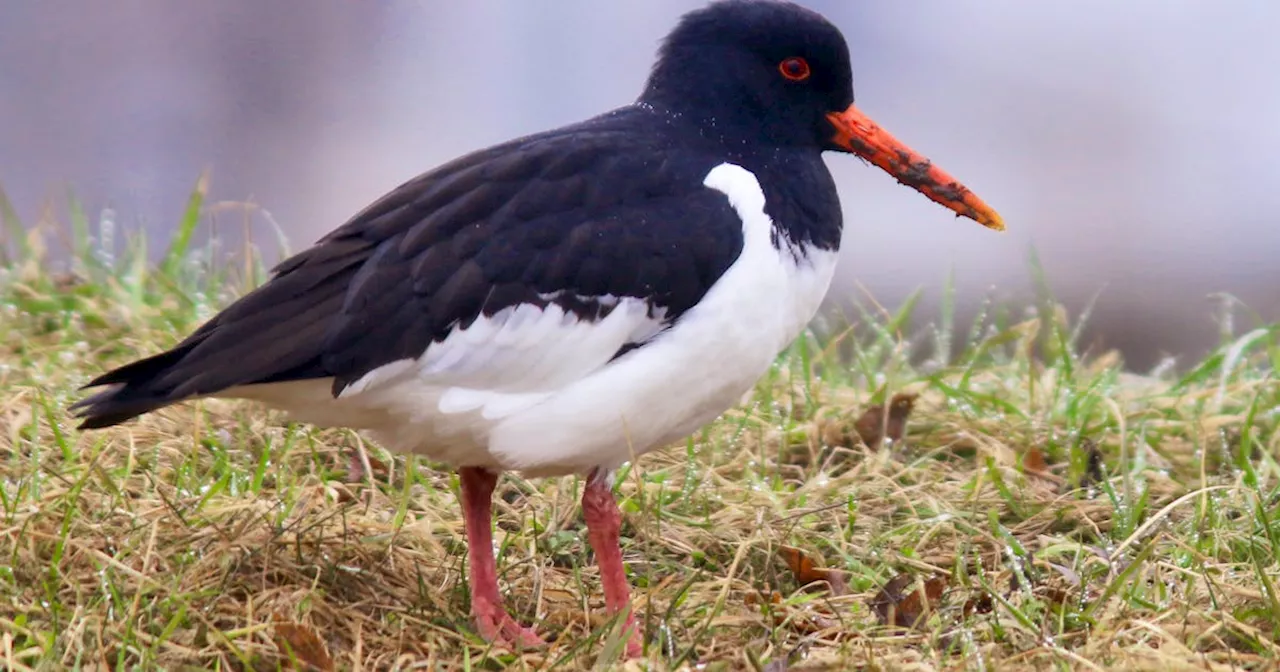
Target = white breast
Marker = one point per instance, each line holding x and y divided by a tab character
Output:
534	390
691	373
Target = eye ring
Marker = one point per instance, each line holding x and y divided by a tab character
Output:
794	68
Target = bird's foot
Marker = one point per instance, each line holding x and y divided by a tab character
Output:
499	627
635	644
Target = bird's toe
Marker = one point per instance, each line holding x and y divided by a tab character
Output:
499	627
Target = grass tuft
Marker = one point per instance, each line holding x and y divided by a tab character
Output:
1040	507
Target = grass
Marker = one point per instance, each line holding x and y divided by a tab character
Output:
1044	509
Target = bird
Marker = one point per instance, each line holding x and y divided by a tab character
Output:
565	302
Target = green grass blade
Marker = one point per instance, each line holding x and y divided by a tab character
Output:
176	255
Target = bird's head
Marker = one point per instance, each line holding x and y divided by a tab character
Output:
746	70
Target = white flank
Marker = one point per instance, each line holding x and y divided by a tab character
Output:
534	390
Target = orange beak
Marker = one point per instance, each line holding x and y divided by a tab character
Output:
857	133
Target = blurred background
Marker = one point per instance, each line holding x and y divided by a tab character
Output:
1132	145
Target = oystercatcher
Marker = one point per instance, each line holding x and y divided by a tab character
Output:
565	302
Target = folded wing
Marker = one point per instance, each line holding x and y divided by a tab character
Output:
501	276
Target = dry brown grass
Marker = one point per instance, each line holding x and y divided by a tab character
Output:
209	536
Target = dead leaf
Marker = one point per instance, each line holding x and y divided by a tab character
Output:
803	454
1093	464
909	610
1053	595
807	572
805	620
302	647
355	467
1036	465
833	432
873	427
1034	462
752	599
978	604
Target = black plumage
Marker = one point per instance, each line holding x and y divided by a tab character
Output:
564	217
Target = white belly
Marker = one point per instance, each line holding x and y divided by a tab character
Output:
656	394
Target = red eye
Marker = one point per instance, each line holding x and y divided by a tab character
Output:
795	69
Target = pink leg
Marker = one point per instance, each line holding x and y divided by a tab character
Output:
492	620
604	521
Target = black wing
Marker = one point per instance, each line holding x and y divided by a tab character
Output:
568	216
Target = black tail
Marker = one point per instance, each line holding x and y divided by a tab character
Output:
275	333
243	345
134	391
